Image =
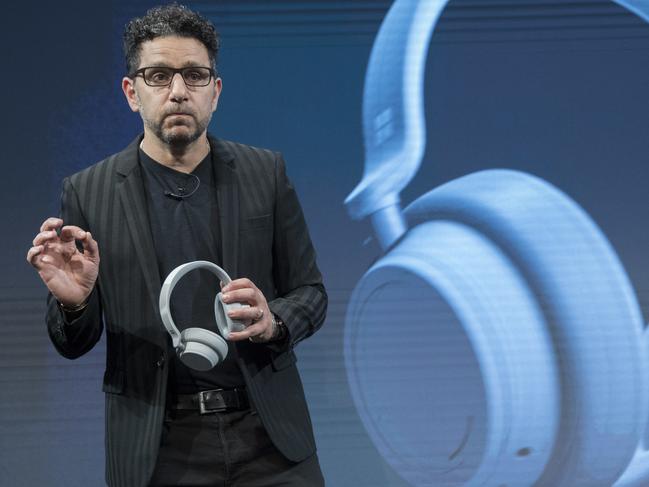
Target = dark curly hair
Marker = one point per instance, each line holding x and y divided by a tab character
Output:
168	20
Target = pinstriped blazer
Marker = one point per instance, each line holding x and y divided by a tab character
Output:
264	237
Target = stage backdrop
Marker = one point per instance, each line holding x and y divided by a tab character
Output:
556	89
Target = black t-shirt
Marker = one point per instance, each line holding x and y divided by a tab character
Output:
184	223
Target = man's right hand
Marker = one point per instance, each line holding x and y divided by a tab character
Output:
69	274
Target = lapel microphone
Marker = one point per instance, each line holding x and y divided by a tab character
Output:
182	191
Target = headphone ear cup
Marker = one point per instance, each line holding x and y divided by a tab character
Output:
495	264
590	307
224	323
202	349
434	364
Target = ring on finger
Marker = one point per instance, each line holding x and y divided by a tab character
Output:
259	316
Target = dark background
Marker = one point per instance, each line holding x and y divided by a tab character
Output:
555	88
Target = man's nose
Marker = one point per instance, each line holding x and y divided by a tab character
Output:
178	87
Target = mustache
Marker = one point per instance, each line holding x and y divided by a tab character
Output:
167	113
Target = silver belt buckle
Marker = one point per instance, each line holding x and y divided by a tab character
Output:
202	397
215	396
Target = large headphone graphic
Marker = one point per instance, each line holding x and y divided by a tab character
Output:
499	341
199	348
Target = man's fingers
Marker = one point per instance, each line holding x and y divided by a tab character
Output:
50	240
258	331
51	223
72	232
90	247
242	283
33	253
39	255
247	295
44	237
248	313
251	331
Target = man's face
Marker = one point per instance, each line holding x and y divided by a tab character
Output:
177	114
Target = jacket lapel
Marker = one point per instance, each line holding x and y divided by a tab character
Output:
227	191
130	188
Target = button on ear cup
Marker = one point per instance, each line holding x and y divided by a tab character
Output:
202	349
503	301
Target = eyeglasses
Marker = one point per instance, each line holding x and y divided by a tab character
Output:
163	76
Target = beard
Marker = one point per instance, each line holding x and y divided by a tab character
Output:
168	131
170	135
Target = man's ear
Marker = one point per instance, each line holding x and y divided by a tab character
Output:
128	87
218	87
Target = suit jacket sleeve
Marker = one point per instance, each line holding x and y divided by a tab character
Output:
302	299
74	338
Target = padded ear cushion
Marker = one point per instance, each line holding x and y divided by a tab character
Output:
588	302
203	349
442	335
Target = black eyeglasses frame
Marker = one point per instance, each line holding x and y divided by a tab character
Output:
141	71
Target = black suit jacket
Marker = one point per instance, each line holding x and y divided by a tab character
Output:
264	237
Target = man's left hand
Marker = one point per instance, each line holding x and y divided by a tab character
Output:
259	316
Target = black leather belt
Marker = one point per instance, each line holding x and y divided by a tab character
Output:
213	401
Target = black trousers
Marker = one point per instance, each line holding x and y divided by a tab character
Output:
227	449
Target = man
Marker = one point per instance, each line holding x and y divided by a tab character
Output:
177	194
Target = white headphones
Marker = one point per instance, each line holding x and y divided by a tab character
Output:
198	348
499	341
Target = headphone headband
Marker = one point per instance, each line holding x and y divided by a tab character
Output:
393	114
394	125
